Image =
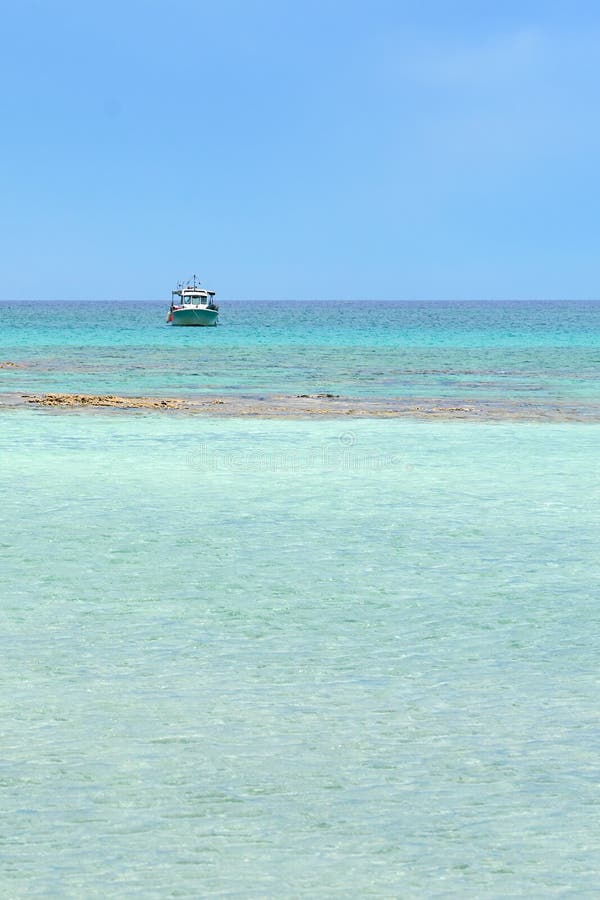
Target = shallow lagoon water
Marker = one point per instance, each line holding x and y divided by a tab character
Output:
298	659
532	352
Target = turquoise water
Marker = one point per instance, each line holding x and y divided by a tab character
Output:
532	352
297	659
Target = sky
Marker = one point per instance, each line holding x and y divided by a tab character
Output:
300	150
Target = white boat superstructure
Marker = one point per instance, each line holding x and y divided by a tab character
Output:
192	305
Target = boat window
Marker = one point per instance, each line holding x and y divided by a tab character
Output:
195	301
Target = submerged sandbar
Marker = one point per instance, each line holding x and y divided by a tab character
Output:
313	406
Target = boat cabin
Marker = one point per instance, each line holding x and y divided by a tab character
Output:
194	298
192	295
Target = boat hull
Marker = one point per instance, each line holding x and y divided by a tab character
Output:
194	316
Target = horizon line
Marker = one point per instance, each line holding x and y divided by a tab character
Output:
315	300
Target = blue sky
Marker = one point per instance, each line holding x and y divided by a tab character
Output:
385	150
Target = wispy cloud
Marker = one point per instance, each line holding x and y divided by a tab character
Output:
523	93
492	60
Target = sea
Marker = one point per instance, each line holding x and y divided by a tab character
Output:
300	658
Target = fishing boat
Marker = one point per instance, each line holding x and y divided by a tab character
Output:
192	305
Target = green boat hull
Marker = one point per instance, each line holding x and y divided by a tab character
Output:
195	316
